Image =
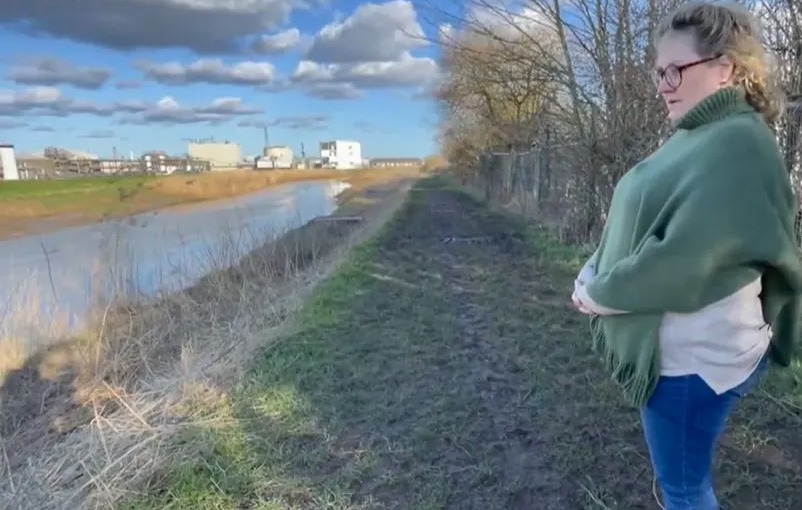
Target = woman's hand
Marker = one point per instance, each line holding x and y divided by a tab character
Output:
582	300
577	303
586	274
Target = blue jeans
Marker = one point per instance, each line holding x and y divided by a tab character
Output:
683	422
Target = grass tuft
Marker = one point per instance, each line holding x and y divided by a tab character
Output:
89	421
425	374
44	205
440	366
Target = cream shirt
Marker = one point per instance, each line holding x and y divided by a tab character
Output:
722	343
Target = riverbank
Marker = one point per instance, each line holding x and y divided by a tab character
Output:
442	366
29	207
85	421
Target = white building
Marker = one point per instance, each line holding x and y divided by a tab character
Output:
278	156
155	163
341	154
8	163
219	155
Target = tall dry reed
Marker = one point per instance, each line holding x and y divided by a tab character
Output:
87	420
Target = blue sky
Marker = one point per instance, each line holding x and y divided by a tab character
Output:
140	75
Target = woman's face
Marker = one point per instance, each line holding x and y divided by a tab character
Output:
683	77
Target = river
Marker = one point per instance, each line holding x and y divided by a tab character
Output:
49	282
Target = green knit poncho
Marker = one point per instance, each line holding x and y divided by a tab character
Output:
708	212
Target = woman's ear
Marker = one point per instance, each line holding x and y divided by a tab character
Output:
726	69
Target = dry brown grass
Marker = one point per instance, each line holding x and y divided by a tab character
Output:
108	198
87	420
232	183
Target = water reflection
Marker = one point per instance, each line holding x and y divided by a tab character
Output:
48	282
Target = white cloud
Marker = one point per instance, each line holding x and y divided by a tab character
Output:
49	101
205	26
100	134
371	49
11	124
296	122
54	71
35	96
169	111
127	84
280	42
210	71
509	22
344	81
375	32
39	100
333	90
406	71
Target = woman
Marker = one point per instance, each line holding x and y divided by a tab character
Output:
696	281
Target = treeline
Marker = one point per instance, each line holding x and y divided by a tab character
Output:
568	81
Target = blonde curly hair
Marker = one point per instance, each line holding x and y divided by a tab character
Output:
728	28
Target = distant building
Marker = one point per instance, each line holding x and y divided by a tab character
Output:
219	155
36	167
276	157
8	163
160	163
307	163
118	166
341	154
395	162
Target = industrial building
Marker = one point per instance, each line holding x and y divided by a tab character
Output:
60	163
155	162
8	163
341	154
275	157
219	155
395	162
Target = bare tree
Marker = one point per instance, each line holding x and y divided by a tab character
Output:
571	78
497	88
782	22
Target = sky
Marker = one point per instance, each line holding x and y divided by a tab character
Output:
141	75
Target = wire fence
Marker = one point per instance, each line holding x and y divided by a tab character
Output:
546	184
565	188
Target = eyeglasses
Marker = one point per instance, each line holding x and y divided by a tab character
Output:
673	73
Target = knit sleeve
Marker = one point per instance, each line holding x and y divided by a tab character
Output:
788	326
724	221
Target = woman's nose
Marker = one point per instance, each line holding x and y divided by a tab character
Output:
663	87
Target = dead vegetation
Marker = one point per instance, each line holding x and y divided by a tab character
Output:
224	184
89	419
546	104
43	206
442	366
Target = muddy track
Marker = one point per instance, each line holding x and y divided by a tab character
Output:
445	369
532	438
467	247
494	372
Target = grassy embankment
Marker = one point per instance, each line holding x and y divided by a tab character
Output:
442	366
86	420
29	206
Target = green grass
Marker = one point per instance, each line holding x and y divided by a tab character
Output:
429	375
91	198
71	202
49	189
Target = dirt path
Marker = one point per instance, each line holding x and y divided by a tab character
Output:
442	368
